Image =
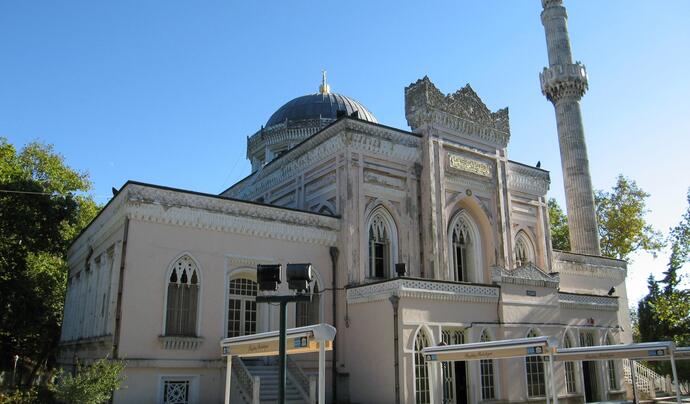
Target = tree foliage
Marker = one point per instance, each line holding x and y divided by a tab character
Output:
621	218
91	385
622	227
664	314
558	221
43	205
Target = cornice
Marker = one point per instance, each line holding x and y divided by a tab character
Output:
528	179
587	265
422	289
198	211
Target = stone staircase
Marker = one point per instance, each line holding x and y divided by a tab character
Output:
261	376
651	385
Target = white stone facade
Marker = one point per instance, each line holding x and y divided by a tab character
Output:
354	198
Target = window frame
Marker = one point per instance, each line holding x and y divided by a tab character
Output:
200	291
417	356
192	379
382	218
473	265
485	336
243	300
535	361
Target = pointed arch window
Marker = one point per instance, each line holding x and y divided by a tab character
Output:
486	372
569	368
382	244
183	298
534	368
524	251
463	242
421	373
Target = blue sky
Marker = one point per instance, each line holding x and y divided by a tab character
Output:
167	91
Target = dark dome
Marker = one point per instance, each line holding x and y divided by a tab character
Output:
315	106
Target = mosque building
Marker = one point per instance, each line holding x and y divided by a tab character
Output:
162	275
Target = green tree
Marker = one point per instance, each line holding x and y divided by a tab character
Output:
558	222
621	221
621	218
43	205
664	314
92	384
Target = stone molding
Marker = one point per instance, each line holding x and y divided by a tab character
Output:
241	260
527	179
564	82
588	302
528	275
567	263
462	112
422	289
358	136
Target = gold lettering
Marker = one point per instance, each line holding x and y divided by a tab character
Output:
469	165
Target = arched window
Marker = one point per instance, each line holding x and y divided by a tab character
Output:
611	368
524	251
486	373
569	368
421	373
241	307
463	248
382	244
534	367
307	313
183	298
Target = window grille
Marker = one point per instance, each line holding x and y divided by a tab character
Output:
450	337
569	369
611	365
534	367
486	371
183	298
421	373
176	392
241	307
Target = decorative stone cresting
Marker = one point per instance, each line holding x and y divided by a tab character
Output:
528	274
422	289
576	301
462	111
572	264
180	343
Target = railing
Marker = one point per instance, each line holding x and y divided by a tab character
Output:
648	381
298	376
249	385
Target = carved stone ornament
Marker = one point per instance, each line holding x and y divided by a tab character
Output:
462	112
469	165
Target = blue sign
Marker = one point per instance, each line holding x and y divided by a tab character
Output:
656	352
535	350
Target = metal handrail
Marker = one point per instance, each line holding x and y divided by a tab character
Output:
243	377
298	376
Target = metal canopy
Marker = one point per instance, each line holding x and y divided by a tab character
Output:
509	348
682	352
298	340
641	351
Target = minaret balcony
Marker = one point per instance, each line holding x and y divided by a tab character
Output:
559	81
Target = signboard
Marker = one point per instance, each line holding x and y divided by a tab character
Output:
613	353
293	345
469	165
475	355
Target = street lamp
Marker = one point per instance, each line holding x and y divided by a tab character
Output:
299	277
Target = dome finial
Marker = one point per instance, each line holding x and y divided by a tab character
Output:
324	88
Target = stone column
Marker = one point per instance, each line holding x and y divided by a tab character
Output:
564	83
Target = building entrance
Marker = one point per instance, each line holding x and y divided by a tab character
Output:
454	373
589	374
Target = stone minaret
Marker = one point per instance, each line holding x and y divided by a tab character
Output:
564	83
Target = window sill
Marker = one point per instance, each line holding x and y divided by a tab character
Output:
180	342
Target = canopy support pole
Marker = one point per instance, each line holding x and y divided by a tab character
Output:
553	380
228	376
322	372
633	375
675	378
